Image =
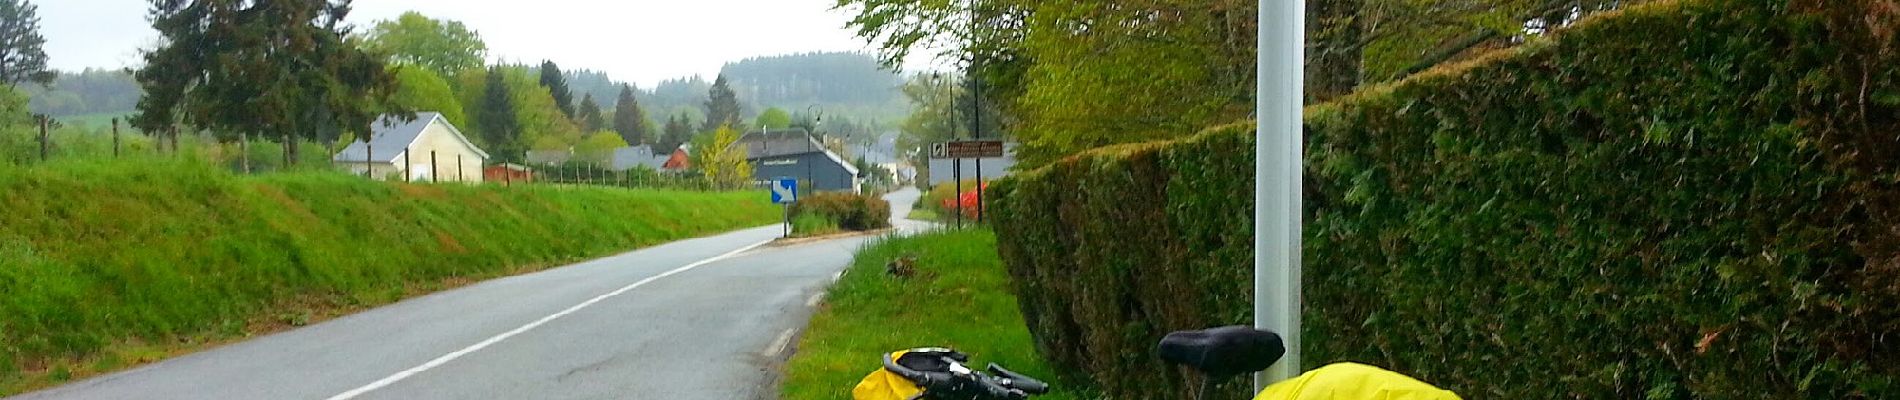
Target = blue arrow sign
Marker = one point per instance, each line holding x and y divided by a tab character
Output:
784	191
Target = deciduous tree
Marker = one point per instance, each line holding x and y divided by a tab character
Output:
445	47
719	160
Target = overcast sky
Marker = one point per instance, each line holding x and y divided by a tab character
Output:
642	41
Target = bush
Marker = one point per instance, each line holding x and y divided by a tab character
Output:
1688	199
943	200
844	210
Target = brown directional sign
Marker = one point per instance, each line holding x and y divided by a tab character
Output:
967	149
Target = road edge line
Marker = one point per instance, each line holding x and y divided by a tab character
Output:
446	358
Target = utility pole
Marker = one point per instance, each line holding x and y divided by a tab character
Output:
1278	170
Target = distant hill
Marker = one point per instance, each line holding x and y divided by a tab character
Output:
852	85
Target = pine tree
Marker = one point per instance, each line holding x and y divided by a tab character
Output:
722	106
589	115
678	131
501	131
22	53
630	121
556	83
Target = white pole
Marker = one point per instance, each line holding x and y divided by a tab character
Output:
1277	182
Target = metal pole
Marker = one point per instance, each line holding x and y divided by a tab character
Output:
1278	170
957	164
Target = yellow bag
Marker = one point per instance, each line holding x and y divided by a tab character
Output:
1348	381
885	385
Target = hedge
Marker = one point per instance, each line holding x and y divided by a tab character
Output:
845	210
1685	199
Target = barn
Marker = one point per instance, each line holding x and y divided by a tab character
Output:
426	149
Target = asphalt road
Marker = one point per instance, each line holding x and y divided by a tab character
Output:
707	318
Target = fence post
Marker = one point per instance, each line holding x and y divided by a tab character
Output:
369	152
435	176
115	138
408	168
244	153
45	143
459	177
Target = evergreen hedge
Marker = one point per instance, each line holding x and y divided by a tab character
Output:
1686	199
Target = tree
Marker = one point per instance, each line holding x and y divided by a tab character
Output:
774	118
589	115
720	160
557	86
678	131
445	47
283	68
598	148
22	53
422	90
500	129
722	105
630	120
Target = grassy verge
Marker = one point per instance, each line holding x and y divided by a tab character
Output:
919	214
110	265
958	298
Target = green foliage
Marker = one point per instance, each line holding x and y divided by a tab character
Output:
598	148
96	258
722	163
678	131
92	91
22	49
283	71
535	118
813	224
556	84
498	119
722	106
444	47
956	299
631	121
589	115
1556	221
421	90
843	210
774	118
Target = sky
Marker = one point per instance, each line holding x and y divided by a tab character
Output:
640	41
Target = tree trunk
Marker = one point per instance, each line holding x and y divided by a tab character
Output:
292	151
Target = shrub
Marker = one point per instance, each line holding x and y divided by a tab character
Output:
844	210
1688	199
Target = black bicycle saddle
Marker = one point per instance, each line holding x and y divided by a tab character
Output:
1224	351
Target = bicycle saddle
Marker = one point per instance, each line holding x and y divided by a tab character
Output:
1224	351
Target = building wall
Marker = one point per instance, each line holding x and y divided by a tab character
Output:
439	139
814	171
382	171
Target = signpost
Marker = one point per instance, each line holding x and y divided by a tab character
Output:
956	151
784	193
1278	170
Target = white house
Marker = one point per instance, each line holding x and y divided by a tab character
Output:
427	149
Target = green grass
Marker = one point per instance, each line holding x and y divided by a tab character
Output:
959	299
920	214
107	265
808	225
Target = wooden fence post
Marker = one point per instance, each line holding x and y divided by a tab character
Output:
45	142
115	138
435	172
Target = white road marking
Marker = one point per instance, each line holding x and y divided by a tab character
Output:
815	298
778	345
444	359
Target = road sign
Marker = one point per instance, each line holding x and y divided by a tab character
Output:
784	191
967	149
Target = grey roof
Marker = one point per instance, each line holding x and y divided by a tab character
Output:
787	142
390	136
626	158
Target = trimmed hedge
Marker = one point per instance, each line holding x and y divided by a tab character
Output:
1688	199
849	211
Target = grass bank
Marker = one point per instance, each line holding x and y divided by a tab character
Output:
105	266
958	298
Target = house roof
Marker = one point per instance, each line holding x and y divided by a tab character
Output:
391	136
786	143
626	158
